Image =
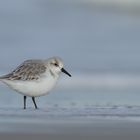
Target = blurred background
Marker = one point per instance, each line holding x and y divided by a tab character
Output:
98	40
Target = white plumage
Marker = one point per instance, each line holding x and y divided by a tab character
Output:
35	77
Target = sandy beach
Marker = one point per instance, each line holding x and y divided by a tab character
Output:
101	129
40	124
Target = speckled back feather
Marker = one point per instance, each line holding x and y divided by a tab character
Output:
28	70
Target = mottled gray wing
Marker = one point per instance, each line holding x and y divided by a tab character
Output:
28	70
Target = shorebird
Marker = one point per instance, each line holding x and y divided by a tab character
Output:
35	78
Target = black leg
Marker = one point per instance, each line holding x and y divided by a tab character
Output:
33	99
24	102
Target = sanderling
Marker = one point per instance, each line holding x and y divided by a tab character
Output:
35	77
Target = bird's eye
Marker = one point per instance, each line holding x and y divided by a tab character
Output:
56	64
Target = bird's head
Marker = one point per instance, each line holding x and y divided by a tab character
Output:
56	65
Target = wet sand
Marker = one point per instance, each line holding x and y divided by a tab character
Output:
71	129
70	124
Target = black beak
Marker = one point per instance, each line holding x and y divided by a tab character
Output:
63	70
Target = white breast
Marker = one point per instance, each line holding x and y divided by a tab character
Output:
33	88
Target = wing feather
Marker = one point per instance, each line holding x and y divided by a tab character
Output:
28	70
